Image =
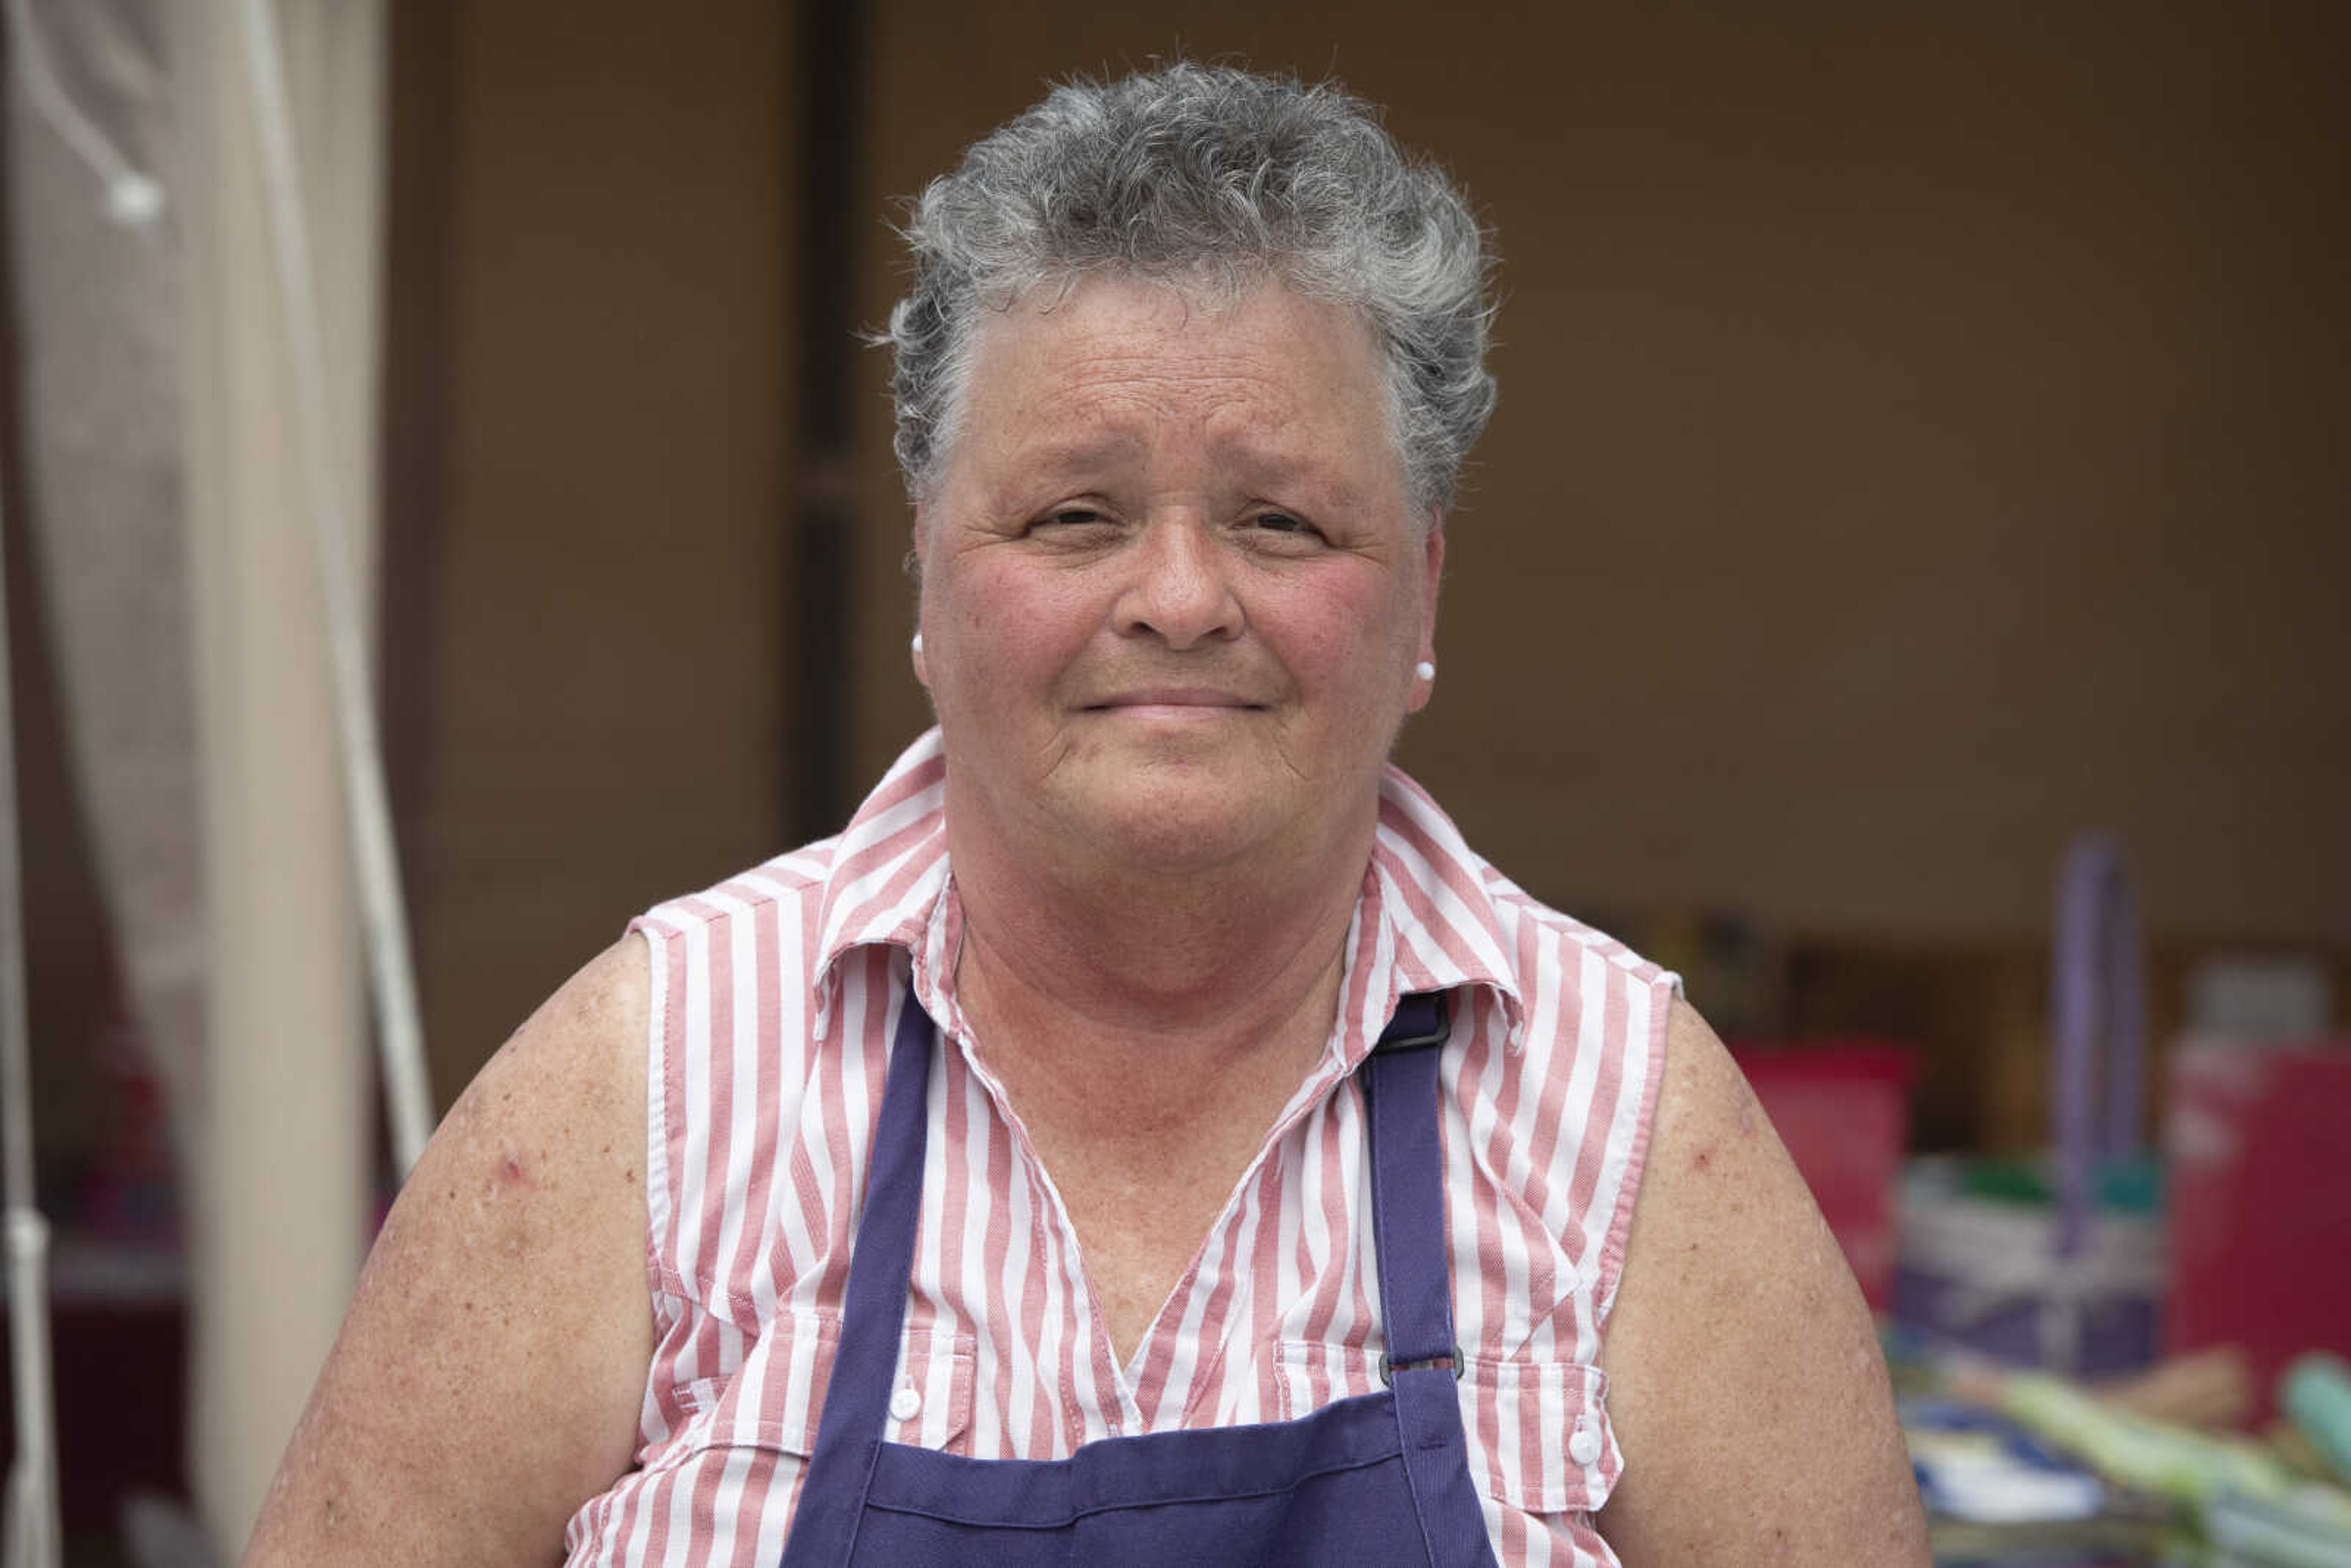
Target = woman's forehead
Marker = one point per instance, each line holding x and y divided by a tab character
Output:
1112	327
1108	369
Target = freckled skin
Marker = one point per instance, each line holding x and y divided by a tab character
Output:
1745	1384
486	1381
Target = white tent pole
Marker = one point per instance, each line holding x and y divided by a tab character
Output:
375	866
34	1537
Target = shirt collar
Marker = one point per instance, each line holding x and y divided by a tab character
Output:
1427	919
888	869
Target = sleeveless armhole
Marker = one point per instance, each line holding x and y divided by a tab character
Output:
663	1042
1645	1061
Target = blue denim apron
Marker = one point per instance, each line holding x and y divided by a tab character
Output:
1369	1481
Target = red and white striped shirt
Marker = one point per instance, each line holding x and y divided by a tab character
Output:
770	999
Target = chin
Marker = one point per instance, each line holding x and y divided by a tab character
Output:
1163	826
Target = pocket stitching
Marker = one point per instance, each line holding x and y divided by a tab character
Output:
1579	1391
704	1398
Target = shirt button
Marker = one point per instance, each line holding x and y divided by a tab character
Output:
1583	1445
905	1404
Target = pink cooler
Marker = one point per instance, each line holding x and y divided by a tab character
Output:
1842	1109
2256	1137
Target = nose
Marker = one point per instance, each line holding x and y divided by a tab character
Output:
1179	590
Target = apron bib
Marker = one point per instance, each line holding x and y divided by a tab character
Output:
1378	1481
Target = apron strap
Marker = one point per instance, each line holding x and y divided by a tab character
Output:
864	1366
1422	1360
1400	1089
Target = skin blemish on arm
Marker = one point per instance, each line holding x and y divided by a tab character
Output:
507	1176
511	1175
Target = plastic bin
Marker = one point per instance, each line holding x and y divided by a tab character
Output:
1981	1264
2056	1262
2261	1202
1842	1109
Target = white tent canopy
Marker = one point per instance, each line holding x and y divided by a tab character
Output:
198	387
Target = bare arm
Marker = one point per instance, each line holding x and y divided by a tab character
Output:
1745	1383
487	1378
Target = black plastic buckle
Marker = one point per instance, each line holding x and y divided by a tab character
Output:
1388	1368
1435	1031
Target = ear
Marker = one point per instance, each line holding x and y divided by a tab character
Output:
915	558
1432	574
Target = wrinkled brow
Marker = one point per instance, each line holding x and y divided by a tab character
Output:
1274	470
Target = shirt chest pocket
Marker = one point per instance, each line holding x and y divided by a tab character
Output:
1542	1428
775	1399
1538	1431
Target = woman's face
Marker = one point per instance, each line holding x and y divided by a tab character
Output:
1173	588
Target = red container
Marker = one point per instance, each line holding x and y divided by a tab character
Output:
1842	1109
2260	1200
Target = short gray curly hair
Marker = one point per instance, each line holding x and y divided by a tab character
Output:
1203	175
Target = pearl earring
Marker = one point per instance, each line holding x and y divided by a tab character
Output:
1424	670
918	642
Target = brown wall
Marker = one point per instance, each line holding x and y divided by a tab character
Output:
604	686
1919	439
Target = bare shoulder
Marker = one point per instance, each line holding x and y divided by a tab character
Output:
1745	1383
487	1378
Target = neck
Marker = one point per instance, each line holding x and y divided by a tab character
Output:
1087	971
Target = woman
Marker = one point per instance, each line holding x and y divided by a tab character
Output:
1238	1168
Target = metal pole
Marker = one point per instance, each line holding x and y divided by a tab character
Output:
818	629
34	1537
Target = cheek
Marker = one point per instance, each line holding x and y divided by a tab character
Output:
1355	639
997	629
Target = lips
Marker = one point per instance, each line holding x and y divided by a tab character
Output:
1172	698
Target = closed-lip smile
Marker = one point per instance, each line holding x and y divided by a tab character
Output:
1172	698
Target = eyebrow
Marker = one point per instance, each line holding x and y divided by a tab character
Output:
1255	465
1059	455
1321	482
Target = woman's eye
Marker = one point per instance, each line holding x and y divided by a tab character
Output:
1070	520
1283	523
